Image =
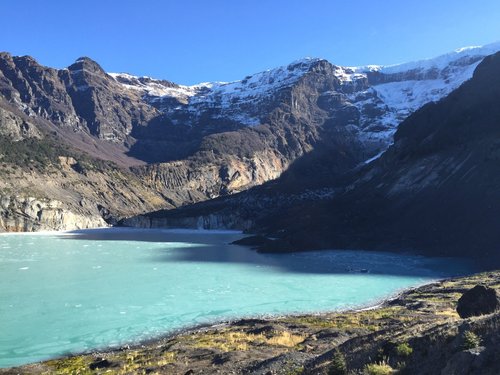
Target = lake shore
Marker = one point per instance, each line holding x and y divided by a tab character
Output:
420	318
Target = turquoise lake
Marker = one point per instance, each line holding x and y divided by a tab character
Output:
74	292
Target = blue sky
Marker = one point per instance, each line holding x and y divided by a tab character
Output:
194	41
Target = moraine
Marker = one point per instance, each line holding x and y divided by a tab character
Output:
64	293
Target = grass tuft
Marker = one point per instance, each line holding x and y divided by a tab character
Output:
378	368
227	341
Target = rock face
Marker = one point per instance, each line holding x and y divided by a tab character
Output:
477	301
16	128
45	187
103	107
18	214
208	221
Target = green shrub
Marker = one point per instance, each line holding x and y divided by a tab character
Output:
404	349
471	340
296	371
378	368
338	365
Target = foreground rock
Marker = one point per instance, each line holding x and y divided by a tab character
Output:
419	332
479	300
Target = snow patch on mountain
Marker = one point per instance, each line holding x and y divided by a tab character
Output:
397	100
399	90
461	56
220	94
153	88
238	101
235	101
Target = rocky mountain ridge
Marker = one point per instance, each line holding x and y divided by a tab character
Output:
383	95
187	144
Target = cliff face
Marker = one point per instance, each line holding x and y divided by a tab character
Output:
15	128
80	98
19	214
42	190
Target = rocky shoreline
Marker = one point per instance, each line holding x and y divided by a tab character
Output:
418	331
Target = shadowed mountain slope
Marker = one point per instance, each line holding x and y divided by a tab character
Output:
435	190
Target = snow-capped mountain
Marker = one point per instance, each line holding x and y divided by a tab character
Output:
192	143
399	90
237	101
382	95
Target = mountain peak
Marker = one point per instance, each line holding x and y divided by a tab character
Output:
306	61
85	59
86	63
5	55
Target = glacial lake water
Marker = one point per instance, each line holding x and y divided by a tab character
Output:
74	292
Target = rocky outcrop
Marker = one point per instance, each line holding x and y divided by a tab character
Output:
42	189
108	111
477	301
16	128
20	214
36	90
195	180
209	221
80	98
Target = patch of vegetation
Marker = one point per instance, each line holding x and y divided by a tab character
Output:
471	340
41	154
71	366
338	365
227	341
136	362
223	341
367	319
31	153
314	321
404	349
450	313
295	371
168	358
284	338
378	368
242	143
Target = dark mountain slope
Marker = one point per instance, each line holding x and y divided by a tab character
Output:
436	190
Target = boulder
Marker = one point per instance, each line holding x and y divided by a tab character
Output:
477	301
470	361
